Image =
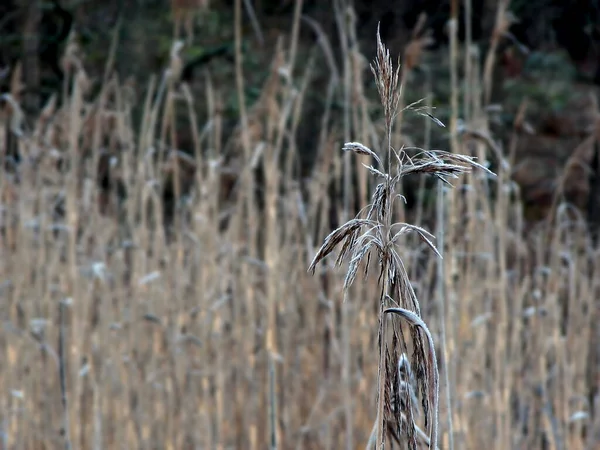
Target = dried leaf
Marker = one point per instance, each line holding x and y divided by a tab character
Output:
435	119
431	365
357	258
357	147
375	172
335	237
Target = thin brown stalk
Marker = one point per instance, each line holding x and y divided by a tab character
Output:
62	366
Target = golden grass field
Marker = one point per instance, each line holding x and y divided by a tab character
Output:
117	335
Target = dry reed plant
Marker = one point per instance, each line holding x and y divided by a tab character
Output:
377	234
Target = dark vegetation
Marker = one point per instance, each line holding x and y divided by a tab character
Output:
543	32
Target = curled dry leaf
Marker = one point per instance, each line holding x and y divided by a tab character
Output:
357	147
437	121
432	369
347	230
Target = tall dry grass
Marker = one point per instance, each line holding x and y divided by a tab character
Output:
214	336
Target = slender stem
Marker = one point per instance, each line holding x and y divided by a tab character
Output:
453	220
442	300
272	405
62	369
388	181
380	444
382	347
347	370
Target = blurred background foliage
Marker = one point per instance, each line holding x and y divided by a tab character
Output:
107	162
549	55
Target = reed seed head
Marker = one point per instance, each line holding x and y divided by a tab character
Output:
387	80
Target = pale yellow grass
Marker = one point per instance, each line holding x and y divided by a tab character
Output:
219	338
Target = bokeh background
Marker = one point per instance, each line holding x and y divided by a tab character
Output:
169	169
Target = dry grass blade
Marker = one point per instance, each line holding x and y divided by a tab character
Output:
347	233
423	111
360	149
434	167
362	250
375	172
458	158
379	202
433	375
432	117
423	234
